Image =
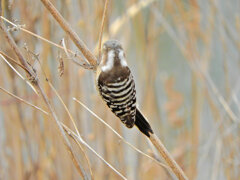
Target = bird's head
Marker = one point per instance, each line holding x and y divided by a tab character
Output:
111	45
112	55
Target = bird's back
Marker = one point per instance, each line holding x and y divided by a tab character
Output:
117	89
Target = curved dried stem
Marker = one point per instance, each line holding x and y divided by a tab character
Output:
84	65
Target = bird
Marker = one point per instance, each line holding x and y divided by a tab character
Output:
116	86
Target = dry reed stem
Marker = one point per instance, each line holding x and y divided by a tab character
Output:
101	30
24	101
167	157
73	35
14	47
34	81
9	64
12	60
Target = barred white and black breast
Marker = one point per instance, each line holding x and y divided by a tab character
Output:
117	89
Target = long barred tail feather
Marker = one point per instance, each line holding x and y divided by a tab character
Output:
142	124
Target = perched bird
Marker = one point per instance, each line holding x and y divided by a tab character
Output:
116	86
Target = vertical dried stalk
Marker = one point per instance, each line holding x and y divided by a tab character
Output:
195	127
102	27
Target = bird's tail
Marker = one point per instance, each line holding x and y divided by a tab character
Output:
143	124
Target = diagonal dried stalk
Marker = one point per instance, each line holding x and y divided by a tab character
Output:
27	81
35	82
75	126
73	35
13	61
24	101
167	157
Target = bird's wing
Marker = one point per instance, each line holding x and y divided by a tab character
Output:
120	97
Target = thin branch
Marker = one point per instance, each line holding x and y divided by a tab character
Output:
84	65
33	34
46	40
73	35
24	101
9	64
101	30
12	60
13	45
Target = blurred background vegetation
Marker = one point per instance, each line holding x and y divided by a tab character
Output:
185	58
